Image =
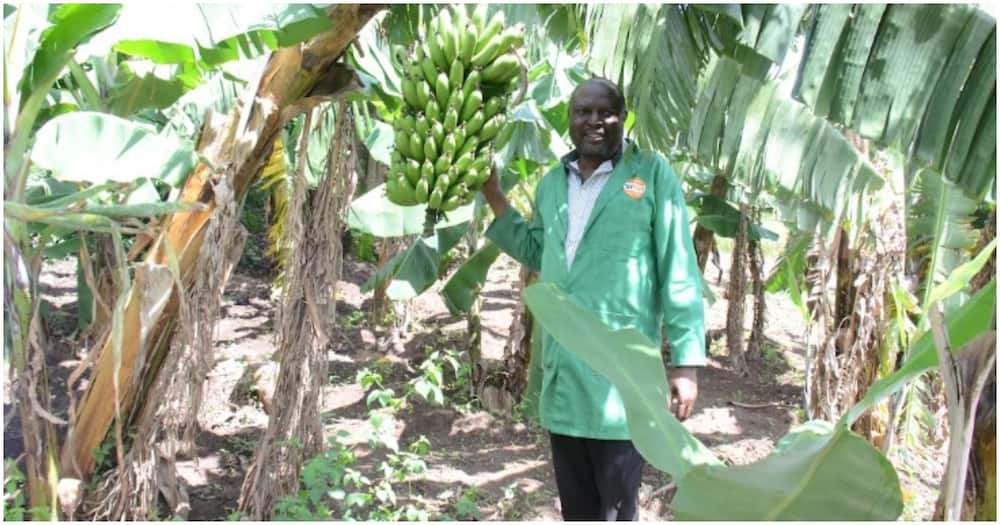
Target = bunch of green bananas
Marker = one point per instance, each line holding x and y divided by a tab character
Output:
456	86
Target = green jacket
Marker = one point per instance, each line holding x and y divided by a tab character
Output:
635	266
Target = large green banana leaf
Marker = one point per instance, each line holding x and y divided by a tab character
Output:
187	43
917	77
818	472
71	26
755	136
211	34
659	53
921	78
96	148
759	34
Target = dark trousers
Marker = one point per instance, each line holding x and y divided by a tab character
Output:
598	479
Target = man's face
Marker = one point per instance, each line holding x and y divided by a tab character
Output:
595	124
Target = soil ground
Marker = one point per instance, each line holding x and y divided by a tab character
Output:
503	458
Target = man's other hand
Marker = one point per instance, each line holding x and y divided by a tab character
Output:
683	391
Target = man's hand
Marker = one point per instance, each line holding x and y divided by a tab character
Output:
683	391
494	194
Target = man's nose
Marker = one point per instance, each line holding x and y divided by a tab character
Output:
593	118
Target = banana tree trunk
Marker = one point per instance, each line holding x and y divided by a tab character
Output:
307	327
517	350
736	293
284	89
981	479
473	319
965	374
30	386
848	353
756	262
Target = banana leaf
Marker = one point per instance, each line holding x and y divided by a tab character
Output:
770	29
379	142
920	78
371	56
960	278
531	137
97	148
72	25
209	34
29	213
415	269
69	26
463	286
818	471
132	93
788	272
552	88
635	365
766	142
730	11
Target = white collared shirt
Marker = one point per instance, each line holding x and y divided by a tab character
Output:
580	198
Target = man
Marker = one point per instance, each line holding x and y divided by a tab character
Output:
610	228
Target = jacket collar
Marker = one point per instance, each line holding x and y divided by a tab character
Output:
574	155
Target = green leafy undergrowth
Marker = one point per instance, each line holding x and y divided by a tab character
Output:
334	487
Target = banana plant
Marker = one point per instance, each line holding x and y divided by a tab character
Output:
69	26
25	92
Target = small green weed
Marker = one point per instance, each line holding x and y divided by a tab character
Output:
465	507
13	492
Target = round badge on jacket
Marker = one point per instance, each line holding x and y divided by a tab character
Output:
635	187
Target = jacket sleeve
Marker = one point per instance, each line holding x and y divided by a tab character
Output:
518	238
679	279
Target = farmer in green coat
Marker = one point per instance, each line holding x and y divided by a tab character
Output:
610	228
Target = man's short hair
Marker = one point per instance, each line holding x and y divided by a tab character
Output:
616	92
